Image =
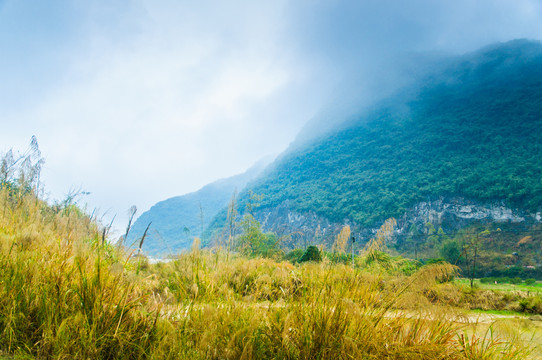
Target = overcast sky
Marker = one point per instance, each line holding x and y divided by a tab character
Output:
137	101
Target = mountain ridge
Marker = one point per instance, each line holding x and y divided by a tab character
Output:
469	130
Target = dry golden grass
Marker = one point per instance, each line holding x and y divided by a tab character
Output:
65	295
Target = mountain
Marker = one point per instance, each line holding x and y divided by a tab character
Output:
175	222
463	143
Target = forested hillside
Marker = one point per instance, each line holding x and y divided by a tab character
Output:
470	130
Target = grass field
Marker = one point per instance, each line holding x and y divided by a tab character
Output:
535	288
65	293
516	327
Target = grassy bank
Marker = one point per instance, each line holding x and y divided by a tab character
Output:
65	293
535	288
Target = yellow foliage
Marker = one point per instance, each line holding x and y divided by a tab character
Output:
373	252
524	240
342	239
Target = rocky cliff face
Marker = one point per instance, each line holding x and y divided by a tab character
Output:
299	228
450	214
453	214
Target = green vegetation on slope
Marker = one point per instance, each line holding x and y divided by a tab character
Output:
470	131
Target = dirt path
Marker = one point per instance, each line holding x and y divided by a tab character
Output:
487	318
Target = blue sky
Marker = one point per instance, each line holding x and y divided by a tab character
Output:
137	101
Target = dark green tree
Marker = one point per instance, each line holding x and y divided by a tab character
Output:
450	251
311	254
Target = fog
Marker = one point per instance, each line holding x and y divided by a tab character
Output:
139	101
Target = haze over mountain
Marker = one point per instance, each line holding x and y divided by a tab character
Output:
463	143
175	222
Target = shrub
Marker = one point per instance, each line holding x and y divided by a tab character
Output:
435	261
311	254
532	305
450	251
294	256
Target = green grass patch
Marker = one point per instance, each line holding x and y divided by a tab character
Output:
509	313
535	288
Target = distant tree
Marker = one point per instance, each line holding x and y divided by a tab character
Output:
442	237
253	242
450	251
311	254
471	244
254	201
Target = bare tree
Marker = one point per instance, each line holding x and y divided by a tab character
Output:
472	242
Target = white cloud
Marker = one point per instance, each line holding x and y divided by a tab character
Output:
134	120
